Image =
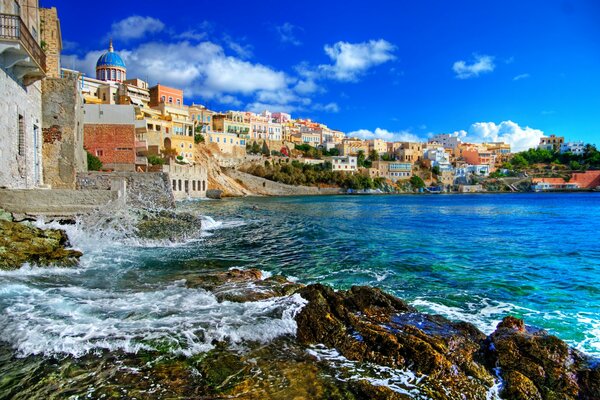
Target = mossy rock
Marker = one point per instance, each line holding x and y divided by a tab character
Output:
21	243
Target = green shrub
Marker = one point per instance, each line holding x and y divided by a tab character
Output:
198	138
94	163
155	160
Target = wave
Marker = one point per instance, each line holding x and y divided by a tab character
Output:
77	321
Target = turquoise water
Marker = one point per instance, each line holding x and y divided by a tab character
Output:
469	257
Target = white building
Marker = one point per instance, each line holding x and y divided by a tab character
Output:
576	148
344	163
439	158
447	140
477	170
22	66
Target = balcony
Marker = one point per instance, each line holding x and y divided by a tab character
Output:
141	146
141	160
20	53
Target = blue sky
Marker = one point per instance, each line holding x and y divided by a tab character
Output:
485	70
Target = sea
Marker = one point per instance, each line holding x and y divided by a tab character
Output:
470	257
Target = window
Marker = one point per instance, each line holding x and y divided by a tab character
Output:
158	128
99	153
187	186
113	74
194	186
174	184
21	135
170	100
179	185
162	99
203	185
178	102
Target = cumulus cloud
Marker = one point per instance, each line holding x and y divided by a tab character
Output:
135	27
521	76
480	65
329	107
287	34
519	138
388	136
350	60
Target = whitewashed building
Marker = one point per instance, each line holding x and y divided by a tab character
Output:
344	163
576	148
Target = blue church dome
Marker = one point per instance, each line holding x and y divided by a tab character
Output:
110	59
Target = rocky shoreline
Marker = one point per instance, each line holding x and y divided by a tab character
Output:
365	327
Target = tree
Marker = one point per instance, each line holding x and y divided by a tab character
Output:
416	182
94	163
373	155
436	170
255	149
265	149
360	158
519	162
198	138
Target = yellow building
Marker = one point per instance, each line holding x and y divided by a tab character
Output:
228	143
351	147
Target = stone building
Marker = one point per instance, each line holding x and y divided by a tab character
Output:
22	66
62	130
51	40
188	181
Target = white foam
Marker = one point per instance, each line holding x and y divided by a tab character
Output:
78	321
401	381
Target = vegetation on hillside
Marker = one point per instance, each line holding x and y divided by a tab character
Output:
525	159
297	173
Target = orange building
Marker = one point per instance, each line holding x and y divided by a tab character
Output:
164	94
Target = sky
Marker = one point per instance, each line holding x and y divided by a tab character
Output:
399	70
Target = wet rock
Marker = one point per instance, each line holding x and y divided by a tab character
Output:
241	285
366	324
168	225
537	365
5	216
21	243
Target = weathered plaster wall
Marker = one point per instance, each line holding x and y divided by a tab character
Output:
20	171
62	130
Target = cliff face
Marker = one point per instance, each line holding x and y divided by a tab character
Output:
217	180
234	183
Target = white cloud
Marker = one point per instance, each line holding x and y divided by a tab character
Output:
242	50
135	27
519	138
402	136
521	76
354	59
481	64
329	107
287	34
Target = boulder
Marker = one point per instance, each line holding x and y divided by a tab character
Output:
536	365
21	243
168	225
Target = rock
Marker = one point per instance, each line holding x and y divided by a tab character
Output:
366	324
169	225
21	243
534	364
214	194
242	285
5	216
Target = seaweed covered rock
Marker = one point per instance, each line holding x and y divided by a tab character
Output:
366	324
535	365
168	225
242	285
21	243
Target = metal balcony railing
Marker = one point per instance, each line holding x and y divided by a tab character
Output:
12	28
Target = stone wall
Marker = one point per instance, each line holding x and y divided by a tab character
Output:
20	106
62	131
52	41
143	190
56	202
265	187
